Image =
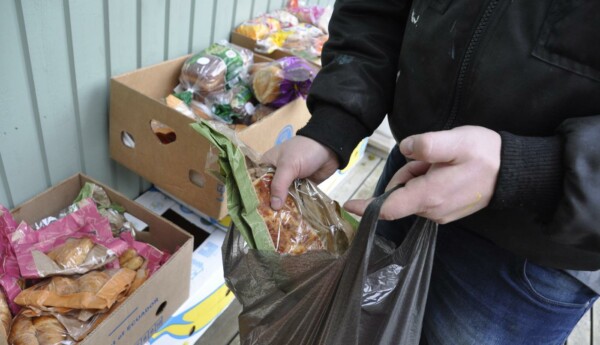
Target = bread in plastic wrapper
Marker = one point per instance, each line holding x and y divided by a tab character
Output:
217	68
258	28
108	209
79	242
140	253
282	81
309	219
11	281
93	290
40	330
304	40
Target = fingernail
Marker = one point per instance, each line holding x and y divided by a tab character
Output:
406	146
276	203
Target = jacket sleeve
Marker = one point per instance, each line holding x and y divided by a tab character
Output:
558	177
355	88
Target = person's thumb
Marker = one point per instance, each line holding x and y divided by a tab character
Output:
432	147
282	179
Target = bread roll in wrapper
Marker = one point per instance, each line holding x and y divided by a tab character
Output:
93	290
216	69
79	242
282	81
38	330
309	220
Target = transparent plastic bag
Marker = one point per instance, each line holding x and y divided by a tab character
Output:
304	40
38	330
282	81
309	220
75	244
109	210
258	28
216	69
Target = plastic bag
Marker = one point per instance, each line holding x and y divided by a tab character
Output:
79	242
373	294
109	210
93	290
216	69
42	330
303	40
139	253
282	81
10	276
309	220
258	28
318	16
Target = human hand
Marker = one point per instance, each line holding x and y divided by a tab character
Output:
453	175
298	157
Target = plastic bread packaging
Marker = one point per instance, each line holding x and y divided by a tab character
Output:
282	81
308	221
216	69
258	28
318	16
10	277
94	290
111	211
40	330
304	40
80	242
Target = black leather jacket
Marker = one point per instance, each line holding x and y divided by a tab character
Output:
529	69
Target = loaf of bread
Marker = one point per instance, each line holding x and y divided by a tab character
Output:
130	259
266	82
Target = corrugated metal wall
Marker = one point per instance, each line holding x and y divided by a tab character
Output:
56	59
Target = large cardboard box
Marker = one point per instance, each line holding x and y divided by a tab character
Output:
179	167
135	320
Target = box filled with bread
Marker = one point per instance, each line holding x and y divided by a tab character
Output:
76	271
151	110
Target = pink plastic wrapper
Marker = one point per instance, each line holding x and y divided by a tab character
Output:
10	277
80	242
153	257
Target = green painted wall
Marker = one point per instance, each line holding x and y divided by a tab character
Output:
56	59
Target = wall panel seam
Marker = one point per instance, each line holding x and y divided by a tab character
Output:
74	90
32	91
4	176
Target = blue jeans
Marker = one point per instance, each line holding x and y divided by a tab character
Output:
483	294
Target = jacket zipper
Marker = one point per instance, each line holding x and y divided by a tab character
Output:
467	60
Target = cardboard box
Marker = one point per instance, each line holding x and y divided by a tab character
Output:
179	167
144	312
209	298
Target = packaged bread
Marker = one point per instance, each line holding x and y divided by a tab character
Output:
11	281
42	330
282	81
217	68
93	290
140	255
258	28
308	221
75	244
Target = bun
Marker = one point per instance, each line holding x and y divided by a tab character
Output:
72	253
22	332
266	83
